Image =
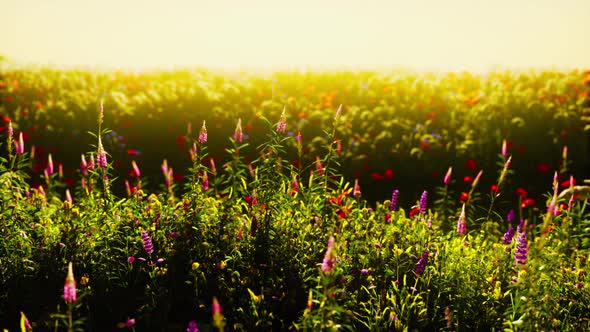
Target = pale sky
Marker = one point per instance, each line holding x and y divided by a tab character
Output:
421	34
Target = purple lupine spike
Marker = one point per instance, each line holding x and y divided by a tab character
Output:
462	222
423	202
421	265
521	253
203	134
394	200
509	235
282	125
70	285
329	257
147	242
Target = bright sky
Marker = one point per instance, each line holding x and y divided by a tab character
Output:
421	34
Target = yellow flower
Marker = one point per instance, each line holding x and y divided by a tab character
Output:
195	265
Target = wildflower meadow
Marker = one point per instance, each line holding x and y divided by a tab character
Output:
355	201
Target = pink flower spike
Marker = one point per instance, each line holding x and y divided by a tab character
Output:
504	148
50	169
136	170
165	167
447	178
329	257
238	134
19	144
68	196
338	112
356	192
564	153
282	125
203	134
70	286
462	222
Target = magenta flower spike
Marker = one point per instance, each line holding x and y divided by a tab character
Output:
394	200
462	222
136	171
169	178
205	179
68	196
447	178
192	327
423	202
19	144
147	242
164	167
101	156
70	286
203	134
217	314
282	125
421	265
504	148
50	168
329	257
564	152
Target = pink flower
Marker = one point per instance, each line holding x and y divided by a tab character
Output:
136	172
462	222
282	125
203	134
70	286
238	134
329	257
447	178
356	191
19	144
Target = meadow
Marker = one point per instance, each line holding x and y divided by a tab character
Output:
361	201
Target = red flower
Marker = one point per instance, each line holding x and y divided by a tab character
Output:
495	189
464	197
471	165
527	203
467	179
543	167
521	192
388	174
414	211
567	183
377	176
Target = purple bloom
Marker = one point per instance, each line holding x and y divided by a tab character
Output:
511	215
192	327
394	200
101	156
509	235
364	272
521	244
147	242
423	201
421	265
282	125
238	133
462	222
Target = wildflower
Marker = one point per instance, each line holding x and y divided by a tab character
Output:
282	125
356	192
468	179
70	285
421	265
504	150
318	166
49	168
521	244
10	131
564	152
394	200
423	201
193	152
203	134
25	324
130	322
329	257
192	327
298	138
217	314
509	235
447	178
147	242
205	179
521	192
135	171
238	134
364	272
338	112
164	167
310	301
462	222
19	144
101	156
528	202
476	180
511	215
130	259
68	196
464	197
495	189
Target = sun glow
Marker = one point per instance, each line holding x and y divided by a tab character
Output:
439	35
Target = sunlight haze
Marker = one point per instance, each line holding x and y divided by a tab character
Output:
439	35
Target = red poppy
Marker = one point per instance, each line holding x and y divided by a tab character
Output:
495	189
567	183
521	192
527	203
543	167
471	165
414	211
468	179
464	197
388	174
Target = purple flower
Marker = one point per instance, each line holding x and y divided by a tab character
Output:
238	133
394	200
70	286
101	156
521	253
421	265
329	257
147	242
364	272
282	125
192	327
509	235
423	202
511	215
